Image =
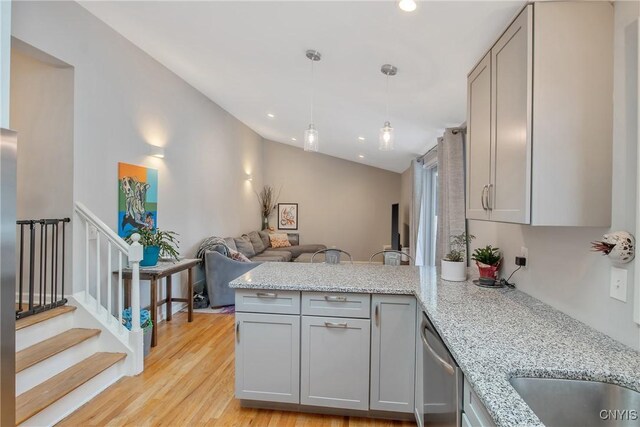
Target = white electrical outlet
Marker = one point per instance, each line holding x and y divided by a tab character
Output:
524	252
619	284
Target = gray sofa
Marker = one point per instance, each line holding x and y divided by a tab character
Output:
220	269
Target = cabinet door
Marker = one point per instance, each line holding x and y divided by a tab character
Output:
268	357
393	344
335	362
511	69
479	139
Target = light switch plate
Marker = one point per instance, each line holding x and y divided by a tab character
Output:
619	284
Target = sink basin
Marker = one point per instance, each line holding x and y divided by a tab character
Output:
565	403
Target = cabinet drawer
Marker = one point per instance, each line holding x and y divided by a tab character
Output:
336	304
477	415
266	301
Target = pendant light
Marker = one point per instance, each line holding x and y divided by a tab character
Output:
311	134
386	132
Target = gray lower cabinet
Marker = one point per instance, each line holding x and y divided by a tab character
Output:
474	412
393	344
335	362
268	357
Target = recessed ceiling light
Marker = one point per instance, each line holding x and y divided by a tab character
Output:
361	156
270	115
361	138
407	5
293	139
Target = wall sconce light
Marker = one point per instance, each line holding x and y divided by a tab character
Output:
156	151
249	177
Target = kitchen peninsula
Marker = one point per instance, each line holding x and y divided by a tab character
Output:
289	316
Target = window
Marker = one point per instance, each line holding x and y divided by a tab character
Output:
428	223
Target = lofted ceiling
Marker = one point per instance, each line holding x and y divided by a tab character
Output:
249	58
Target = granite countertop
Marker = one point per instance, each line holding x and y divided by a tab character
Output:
298	276
494	334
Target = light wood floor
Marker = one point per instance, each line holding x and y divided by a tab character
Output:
188	380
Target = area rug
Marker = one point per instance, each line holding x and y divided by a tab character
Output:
230	309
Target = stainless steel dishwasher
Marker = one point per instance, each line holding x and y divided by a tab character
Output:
442	380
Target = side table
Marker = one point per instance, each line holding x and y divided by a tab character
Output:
164	269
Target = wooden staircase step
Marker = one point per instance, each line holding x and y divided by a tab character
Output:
41	317
38	398
52	346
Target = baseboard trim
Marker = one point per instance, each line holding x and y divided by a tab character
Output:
307	409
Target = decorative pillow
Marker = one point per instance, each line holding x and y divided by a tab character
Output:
279	240
231	243
244	246
264	235
256	241
237	256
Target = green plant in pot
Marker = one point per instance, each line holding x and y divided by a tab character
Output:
488	260
454	264
156	243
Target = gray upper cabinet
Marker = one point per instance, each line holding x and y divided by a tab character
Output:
479	130
335	362
393	343
508	196
268	357
548	117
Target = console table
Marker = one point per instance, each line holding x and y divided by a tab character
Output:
164	269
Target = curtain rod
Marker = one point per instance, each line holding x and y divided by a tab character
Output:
454	131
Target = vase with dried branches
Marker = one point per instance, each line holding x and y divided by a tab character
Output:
268	200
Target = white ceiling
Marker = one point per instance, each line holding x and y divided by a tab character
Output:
248	57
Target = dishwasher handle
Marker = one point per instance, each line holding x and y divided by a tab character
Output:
445	365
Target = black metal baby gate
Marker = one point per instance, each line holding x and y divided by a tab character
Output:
41	265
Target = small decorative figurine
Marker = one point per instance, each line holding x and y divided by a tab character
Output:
619	246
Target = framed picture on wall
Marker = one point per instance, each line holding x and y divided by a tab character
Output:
287	216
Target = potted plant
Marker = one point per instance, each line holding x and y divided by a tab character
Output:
145	324
488	260
268	201
454	264
156	242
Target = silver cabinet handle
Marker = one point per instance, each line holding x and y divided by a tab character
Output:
267	295
334	298
238	331
482	197
447	367
335	325
489	197
377	314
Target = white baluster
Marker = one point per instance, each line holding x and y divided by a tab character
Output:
109	313
135	256
120	290
135	337
98	271
86	261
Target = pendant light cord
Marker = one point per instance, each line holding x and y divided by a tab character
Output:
312	89
387	118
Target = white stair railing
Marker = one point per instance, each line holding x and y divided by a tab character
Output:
96	229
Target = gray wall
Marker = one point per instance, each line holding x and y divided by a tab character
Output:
5	61
124	100
562	271
42	114
341	203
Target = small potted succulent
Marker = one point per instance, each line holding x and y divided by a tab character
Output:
488	260
156	242
454	264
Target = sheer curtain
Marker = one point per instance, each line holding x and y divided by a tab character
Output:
451	206
416	208
423	219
